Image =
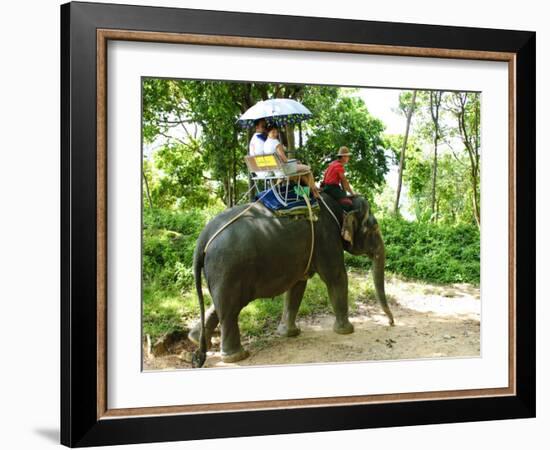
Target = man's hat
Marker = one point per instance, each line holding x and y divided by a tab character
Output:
343	151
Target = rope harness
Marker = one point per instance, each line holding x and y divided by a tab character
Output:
224	226
306	198
330	211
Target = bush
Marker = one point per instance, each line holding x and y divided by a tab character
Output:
427	251
169	239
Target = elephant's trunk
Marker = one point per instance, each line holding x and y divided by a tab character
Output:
378	263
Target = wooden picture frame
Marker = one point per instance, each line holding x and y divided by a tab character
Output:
86	419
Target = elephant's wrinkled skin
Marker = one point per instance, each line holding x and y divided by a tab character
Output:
261	256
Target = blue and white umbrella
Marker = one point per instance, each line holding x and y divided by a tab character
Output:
280	111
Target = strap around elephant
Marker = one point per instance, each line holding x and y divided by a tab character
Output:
330	211
306	198
225	225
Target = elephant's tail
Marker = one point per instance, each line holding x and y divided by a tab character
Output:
199	357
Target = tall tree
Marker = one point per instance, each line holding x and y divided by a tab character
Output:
465	107
435	105
452	182
407	107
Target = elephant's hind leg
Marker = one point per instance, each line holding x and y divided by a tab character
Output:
293	298
210	323
232	350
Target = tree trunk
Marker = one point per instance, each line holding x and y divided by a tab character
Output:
402	157
435	103
235	193
476	209
147	192
472	145
476	152
291	141
227	193
290	137
252	192
434	181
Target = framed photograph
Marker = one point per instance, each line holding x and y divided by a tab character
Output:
277	224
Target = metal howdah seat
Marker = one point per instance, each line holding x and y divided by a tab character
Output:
275	174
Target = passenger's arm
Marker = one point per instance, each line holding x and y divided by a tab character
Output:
281	152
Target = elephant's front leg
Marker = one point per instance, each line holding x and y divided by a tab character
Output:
337	285
293	298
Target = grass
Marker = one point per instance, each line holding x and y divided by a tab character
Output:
166	310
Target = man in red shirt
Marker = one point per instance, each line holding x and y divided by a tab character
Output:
337	185
335	182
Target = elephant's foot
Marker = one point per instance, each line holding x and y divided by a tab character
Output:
343	327
195	334
236	356
288	331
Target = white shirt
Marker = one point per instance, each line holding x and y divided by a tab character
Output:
256	146
270	147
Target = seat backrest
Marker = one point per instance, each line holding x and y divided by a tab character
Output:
263	163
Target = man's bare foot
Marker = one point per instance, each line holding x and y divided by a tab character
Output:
346	235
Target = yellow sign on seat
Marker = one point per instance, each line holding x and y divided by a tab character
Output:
266	161
262	163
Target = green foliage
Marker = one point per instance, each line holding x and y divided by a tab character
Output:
204	113
450	119
182	183
426	251
202	147
215	106
162	102
454	190
169	239
346	121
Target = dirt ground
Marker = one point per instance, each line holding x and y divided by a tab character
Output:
431	321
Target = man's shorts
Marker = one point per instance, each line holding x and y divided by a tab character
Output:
337	193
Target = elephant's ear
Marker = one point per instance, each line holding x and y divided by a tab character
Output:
365	214
349	227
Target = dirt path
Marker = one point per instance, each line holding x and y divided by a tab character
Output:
431	321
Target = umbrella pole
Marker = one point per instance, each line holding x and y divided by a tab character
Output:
300	134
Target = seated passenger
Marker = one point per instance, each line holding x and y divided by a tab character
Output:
336	185
256	145
272	145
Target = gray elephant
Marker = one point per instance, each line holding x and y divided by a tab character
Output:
261	255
